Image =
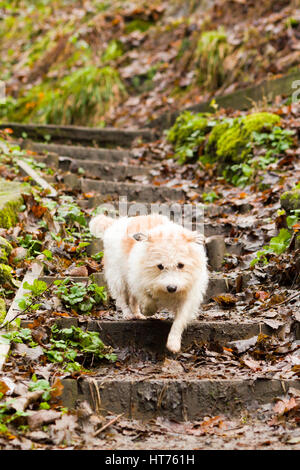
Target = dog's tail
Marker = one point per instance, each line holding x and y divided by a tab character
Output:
99	224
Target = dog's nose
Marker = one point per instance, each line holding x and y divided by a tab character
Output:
171	288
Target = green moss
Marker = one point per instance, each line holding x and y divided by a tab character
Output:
138	25
9	213
6	245
5	274
290	200
188	133
5	250
2	310
232	142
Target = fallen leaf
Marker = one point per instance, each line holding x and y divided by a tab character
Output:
42	417
225	300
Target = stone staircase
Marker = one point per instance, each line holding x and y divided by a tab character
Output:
147	381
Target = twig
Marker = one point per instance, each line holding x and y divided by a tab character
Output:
283	302
112	421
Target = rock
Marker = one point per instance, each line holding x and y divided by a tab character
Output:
95	246
10	202
42	417
18	254
5	250
2	310
290	200
215	247
77	271
5	273
5	245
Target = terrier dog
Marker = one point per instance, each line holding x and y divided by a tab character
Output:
151	263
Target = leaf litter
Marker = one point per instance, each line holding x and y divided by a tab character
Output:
267	291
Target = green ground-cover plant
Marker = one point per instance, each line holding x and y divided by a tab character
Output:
75	226
35	290
8	415
280	243
68	343
79	296
188	134
238	146
113	51
69	347
23	335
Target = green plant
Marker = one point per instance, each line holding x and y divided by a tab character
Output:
69	211
8	415
69	343
36	289
21	336
187	134
88	91
113	51
137	25
41	384
277	245
210	197
33	245
231	144
79	296
212	48
98	256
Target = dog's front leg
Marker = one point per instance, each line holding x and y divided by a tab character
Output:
182	317
135	308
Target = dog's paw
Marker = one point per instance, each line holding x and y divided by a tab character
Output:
139	316
174	344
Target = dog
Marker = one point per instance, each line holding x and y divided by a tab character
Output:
152	263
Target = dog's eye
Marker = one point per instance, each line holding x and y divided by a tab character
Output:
160	266
180	265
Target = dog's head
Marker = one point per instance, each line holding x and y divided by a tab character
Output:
170	258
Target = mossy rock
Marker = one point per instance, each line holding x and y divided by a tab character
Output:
5	250
230	140
11	201
290	200
2	310
5	274
5	245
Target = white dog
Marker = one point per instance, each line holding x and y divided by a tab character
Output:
151	263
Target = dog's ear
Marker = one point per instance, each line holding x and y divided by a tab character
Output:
140	237
199	238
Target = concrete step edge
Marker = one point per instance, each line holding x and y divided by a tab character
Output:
176	399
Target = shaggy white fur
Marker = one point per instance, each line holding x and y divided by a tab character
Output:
151	263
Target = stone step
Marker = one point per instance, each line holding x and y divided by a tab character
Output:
208	210
76	151
103	136
218	283
132	191
102	170
150	335
189	397
239	99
